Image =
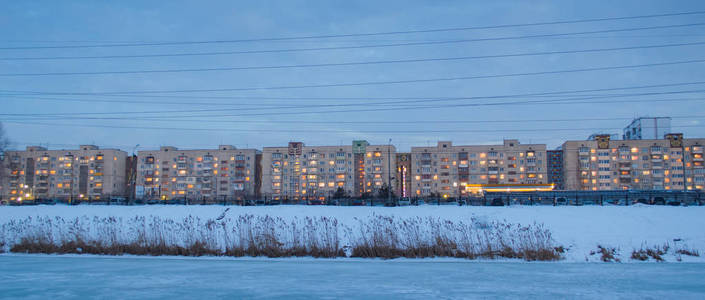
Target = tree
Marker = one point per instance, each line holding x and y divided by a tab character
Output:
383	192
339	193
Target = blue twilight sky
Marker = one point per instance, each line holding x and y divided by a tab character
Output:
265	117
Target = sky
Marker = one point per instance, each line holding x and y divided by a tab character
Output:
281	90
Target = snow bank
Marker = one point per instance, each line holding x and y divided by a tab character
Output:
579	229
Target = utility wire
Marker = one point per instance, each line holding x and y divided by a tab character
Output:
538	102
396	103
345	47
344	64
329	131
369	83
364	34
366	122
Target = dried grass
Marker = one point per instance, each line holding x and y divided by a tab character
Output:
389	237
249	235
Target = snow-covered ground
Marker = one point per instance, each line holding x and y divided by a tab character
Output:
579	229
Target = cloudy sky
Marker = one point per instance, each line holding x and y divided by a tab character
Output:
194	75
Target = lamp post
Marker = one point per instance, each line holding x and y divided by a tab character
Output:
133	175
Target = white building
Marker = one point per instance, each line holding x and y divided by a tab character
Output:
647	128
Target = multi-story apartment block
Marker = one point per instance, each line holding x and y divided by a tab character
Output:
87	173
647	128
225	173
452	171
672	163
554	168
300	172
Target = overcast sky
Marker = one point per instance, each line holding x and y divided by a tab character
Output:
248	118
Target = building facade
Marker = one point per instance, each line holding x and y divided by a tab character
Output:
300	172
449	171
671	163
88	173
208	175
554	168
647	128
403	175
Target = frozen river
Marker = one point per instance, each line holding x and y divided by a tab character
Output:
54	277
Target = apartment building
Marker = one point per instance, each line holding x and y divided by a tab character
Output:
209	175
671	163
86	173
647	128
300	172
554	166
451	171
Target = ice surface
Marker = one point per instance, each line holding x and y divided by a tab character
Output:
81	277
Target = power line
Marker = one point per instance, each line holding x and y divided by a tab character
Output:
399	61
365	122
344	41
348	104
359	34
358	46
369	82
538	102
328	131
